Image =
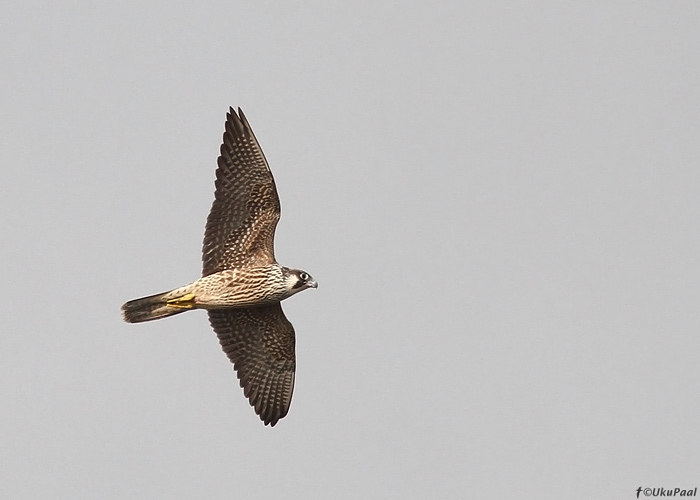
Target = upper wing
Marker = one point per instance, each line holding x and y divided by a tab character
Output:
241	224
259	341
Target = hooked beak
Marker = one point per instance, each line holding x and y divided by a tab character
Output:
312	284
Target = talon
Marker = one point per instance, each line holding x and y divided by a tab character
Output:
184	302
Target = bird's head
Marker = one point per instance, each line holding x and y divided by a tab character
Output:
297	280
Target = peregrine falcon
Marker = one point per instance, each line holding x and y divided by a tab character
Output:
242	284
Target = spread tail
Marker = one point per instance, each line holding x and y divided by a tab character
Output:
157	306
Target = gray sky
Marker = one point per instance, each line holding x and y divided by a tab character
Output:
498	199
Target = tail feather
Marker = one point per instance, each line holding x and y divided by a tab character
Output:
150	308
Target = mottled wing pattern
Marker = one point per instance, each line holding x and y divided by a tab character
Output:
259	341
241	225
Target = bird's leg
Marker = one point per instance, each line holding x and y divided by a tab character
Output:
184	302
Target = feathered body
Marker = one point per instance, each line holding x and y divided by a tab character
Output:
242	284
245	287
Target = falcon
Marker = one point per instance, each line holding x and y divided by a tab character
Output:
242	284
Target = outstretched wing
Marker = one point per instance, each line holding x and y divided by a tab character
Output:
241	224
259	341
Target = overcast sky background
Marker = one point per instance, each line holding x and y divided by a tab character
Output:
498	199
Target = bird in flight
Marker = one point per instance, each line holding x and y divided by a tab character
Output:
242	284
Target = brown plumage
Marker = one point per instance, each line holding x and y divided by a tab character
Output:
241	225
242	284
259	341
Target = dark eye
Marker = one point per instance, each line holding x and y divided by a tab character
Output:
303	276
